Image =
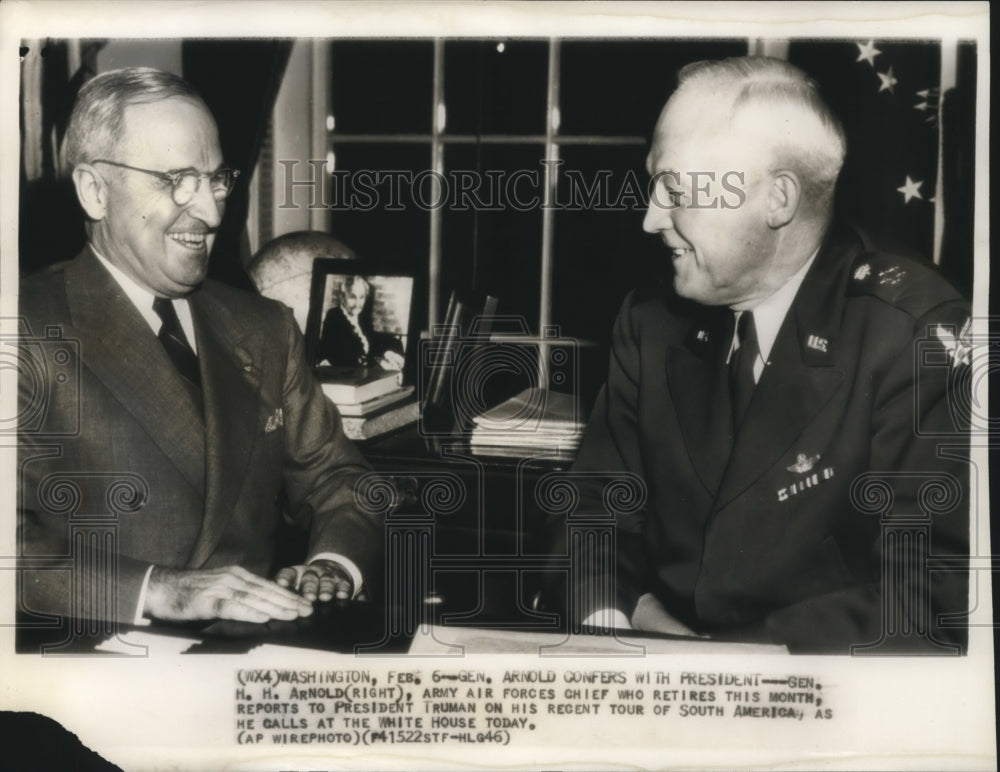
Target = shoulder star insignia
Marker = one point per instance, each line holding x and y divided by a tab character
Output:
803	463
892	275
959	349
910	189
888	81
867	52
862	272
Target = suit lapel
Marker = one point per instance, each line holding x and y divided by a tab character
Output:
119	347
801	375
696	374
231	382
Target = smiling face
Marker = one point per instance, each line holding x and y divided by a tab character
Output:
709	205
162	246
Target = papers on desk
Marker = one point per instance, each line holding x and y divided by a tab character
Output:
156	644
438	640
531	421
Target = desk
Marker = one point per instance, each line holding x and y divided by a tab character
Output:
363	628
487	548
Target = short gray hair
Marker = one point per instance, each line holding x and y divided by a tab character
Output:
808	137
97	123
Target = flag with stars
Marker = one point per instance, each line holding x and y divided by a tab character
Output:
888	96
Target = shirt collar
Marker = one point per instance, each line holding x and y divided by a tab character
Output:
772	311
143	299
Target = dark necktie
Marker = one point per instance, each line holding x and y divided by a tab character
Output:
175	343
741	380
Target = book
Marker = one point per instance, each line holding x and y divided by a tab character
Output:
387	420
377	403
519	439
357	385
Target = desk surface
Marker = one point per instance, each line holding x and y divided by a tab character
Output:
364	628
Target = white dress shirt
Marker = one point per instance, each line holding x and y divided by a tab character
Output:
769	314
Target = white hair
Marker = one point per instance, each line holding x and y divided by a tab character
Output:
780	105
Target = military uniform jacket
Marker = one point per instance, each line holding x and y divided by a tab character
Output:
779	533
118	469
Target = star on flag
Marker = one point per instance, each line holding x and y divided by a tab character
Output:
867	52
911	189
888	81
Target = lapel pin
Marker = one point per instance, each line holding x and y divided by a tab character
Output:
862	272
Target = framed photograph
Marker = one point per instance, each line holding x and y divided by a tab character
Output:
361	315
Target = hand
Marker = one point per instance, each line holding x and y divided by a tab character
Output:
649	615
392	360
321	579
221	593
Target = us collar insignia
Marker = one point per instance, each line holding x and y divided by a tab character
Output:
803	463
862	272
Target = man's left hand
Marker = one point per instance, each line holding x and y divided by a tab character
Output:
319	580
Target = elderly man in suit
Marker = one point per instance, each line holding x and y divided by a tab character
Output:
193	420
764	395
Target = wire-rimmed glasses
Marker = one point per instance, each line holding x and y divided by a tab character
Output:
185	182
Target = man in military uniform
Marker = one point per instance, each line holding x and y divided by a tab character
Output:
777	402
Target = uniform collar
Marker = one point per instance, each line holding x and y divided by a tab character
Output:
771	312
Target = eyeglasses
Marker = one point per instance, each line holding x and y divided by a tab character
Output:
185	182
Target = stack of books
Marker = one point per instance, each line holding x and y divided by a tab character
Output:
371	401
533	422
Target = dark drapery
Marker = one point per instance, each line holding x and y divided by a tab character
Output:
239	80
50	222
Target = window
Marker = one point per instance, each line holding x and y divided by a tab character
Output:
501	127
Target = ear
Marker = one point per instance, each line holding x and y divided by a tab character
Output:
783	198
92	191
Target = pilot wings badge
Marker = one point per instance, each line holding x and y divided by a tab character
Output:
803	463
959	349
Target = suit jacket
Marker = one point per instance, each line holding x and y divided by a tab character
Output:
119	469
776	534
341	346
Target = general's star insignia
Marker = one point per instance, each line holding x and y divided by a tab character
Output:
862	272
892	275
803	463
959	349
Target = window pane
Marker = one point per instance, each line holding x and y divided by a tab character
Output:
383	221
382	86
495	245
600	250
489	91
619	87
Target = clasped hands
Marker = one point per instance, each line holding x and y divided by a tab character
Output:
235	593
